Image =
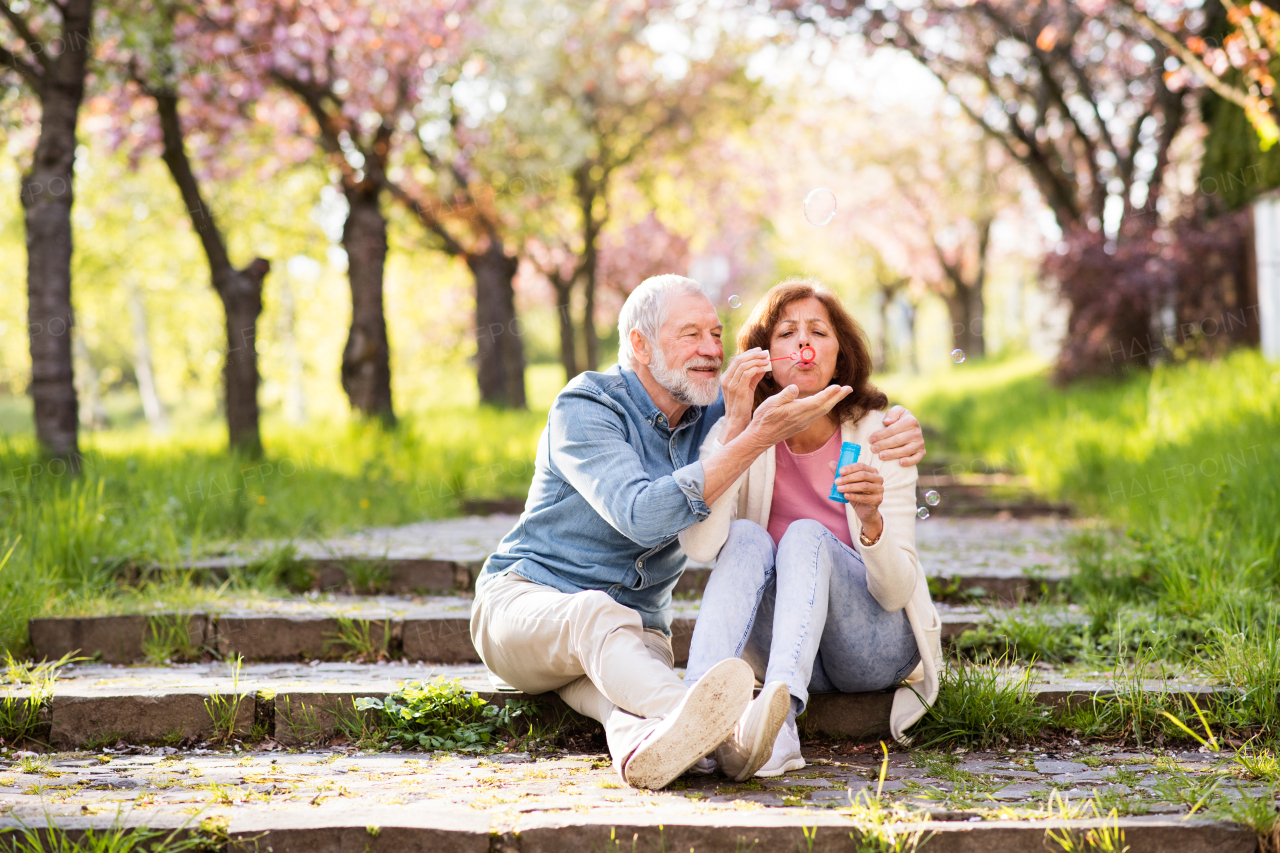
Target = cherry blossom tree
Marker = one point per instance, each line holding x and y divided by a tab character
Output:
1237	68
178	65
460	180
1088	98
361	69
49	45
1075	92
939	196
633	88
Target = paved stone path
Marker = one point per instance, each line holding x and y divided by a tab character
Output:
514	792
278	798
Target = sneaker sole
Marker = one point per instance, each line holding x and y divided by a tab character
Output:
705	718
778	703
791	764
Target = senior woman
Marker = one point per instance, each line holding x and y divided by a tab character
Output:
821	595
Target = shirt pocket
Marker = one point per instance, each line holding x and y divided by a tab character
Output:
644	568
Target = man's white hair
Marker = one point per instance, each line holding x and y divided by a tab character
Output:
646	310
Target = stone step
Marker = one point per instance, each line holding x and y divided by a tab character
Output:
732	828
1003	560
293	704
998	496
433	630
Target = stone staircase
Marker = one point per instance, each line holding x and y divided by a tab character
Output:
133	738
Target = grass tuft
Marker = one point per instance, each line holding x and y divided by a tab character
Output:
981	705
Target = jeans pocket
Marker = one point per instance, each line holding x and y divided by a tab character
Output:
906	670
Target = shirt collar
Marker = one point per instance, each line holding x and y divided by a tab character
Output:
640	396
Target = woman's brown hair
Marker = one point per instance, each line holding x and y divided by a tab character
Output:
853	364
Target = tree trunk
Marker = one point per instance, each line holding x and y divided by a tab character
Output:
590	338
568	351
589	191
46	199
152	406
977	322
882	340
239	289
499	353
909	314
93	414
241	292
295	400
366	359
964	306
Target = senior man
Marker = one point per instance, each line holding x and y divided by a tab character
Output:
577	597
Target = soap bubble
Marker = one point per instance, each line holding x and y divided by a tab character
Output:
820	206
922	513
957	355
734	302
932	498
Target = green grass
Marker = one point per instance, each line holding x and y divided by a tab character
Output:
139	502
1182	467
1097	442
981	706
51	838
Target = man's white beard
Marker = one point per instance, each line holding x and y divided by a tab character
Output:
683	387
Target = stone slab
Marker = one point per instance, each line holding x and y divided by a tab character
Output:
432	630
113	639
289	638
160	717
152	704
303	831
1009	560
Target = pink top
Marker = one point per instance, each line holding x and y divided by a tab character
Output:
801	484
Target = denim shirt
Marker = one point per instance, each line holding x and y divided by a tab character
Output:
613	486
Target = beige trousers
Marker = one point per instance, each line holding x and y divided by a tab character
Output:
585	646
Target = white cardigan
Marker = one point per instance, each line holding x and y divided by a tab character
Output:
894	575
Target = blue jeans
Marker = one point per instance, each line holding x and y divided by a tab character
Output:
803	616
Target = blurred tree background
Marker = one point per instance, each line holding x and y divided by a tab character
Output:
403	209
284	268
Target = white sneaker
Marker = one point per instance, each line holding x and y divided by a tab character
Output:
786	750
704	766
704	718
751	743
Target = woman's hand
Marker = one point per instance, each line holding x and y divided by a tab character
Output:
863	487
739	386
787	413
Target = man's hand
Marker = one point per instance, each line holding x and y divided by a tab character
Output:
783	415
900	438
739	385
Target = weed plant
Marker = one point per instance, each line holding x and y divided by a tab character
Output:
224	711
168	639
116	839
360	639
20	715
441	715
1258	812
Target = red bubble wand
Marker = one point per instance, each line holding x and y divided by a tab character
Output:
806	355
